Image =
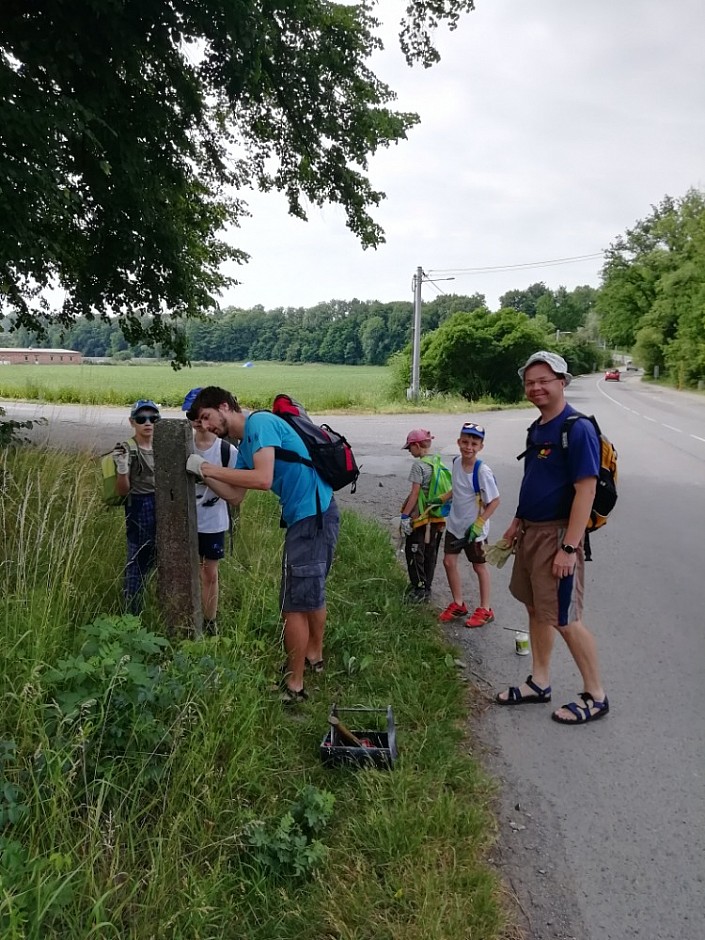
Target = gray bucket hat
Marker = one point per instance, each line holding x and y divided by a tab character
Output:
554	362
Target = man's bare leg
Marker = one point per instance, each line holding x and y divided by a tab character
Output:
542	637
316	628
583	649
296	639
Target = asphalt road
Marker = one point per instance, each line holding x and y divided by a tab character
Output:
601	827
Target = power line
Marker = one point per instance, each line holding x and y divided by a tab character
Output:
518	267
427	280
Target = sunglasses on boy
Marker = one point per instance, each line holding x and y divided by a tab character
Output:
469	428
143	419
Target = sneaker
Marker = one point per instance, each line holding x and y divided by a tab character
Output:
452	611
480	618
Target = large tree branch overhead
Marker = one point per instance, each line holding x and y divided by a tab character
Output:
128	129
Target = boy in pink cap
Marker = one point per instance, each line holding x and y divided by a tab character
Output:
422	532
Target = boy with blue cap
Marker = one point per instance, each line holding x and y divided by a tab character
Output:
475	497
212	514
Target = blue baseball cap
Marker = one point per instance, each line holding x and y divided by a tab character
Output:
190	398
476	430
188	401
144	404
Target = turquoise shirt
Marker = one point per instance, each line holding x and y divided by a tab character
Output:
294	483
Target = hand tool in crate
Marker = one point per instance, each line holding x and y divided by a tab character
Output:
367	748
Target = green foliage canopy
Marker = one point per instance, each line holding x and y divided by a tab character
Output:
653	293
477	354
130	131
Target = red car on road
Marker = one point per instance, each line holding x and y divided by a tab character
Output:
612	375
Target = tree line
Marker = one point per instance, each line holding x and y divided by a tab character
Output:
351	332
651	303
652	299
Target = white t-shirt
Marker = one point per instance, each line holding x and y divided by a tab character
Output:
464	509
211	510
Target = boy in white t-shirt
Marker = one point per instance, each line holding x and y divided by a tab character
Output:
212	513
474	498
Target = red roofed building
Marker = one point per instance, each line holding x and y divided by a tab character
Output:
40	357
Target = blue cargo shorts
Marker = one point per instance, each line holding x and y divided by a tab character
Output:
308	555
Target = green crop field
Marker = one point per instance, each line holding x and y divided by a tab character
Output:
320	387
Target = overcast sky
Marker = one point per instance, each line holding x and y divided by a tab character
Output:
547	129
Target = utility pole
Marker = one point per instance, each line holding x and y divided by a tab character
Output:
416	341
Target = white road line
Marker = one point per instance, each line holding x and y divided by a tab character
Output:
645	417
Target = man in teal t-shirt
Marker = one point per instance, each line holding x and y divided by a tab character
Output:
309	513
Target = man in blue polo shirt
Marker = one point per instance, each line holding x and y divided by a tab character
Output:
555	501
309	513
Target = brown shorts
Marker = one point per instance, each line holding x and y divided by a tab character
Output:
555	601
474	551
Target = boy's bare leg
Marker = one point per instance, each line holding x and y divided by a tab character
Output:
209	588
483	578
450	563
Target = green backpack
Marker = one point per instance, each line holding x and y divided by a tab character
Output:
441	483
108	474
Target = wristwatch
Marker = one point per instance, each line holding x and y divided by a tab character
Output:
569	549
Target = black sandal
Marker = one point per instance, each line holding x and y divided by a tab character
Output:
583	713
539	696
290	697
318	666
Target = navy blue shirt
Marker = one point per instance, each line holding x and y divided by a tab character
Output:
547	490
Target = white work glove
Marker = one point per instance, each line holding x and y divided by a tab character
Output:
121	456
194	464
498	553
406	526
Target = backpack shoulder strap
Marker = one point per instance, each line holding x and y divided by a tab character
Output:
476	476
529	445
570	421
290	456
224	452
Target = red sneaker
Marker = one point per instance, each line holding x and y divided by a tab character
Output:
480	618
452	611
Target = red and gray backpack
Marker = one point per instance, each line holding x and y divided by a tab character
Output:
330	455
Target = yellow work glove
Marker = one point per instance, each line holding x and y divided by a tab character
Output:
476	530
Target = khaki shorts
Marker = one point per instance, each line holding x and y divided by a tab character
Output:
555	601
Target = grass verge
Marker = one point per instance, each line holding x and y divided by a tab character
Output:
159	790
322	388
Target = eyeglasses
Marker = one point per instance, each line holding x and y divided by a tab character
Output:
470	428
144	419
541	383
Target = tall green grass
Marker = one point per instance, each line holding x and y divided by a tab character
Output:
322	388
133	770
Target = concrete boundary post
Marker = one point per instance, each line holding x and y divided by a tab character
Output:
178	577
